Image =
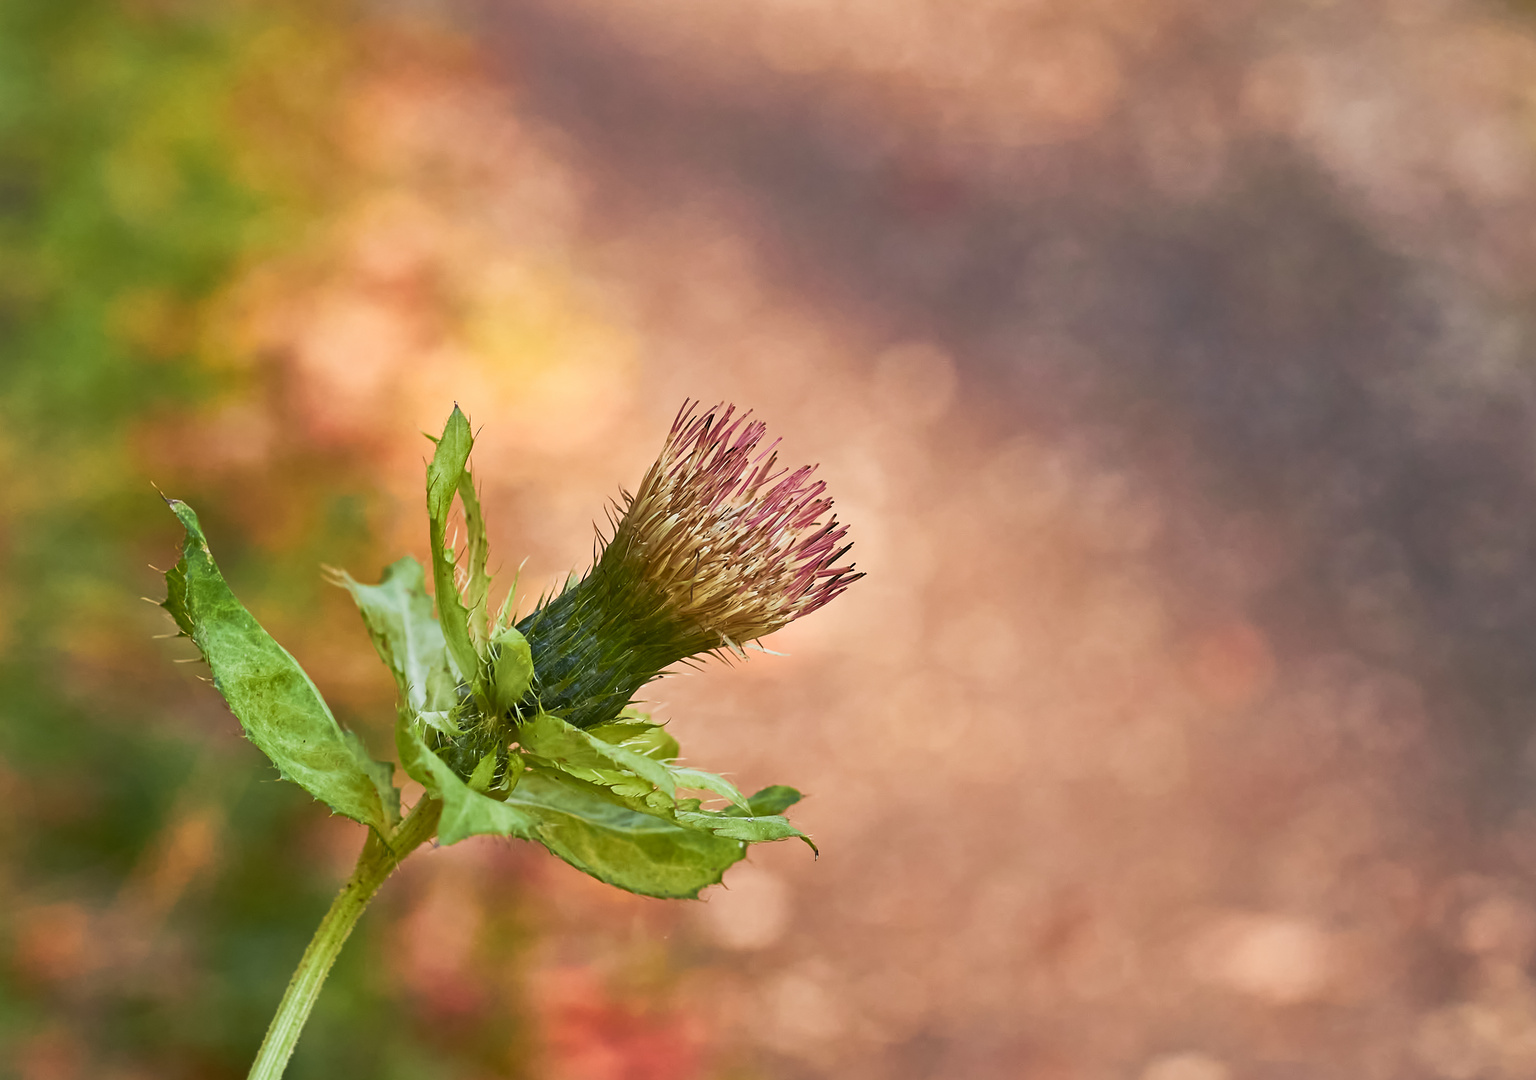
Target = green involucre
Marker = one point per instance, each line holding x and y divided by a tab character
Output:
466	812
602	638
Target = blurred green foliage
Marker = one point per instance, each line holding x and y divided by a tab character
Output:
130	194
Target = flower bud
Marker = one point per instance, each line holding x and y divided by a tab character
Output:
717	547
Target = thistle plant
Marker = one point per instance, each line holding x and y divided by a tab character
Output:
527	729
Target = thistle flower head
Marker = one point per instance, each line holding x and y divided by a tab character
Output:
718	546
737	546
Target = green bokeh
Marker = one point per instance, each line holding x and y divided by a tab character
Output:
130	196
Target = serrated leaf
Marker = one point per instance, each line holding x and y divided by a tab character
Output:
443	721
484	773
466	812
276	703
750	829
634	780
585	826
444	477
699	780
578	822
571	750
639	735
637	781
511	668
398	614
760	819
516	763
504	617
477	584
771	800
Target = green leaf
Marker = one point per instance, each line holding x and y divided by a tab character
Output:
645	785
579	822
699	780
568	748
466	812
771	800
597	834
511	668
477	585
637	733
504	616
398	614
750	829
445	476
275	701
516	764
484	773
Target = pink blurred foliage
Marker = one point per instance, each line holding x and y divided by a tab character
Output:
589	1034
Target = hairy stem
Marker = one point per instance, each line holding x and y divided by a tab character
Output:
376	862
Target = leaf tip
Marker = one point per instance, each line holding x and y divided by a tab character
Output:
334	575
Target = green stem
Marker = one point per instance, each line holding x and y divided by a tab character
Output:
376	862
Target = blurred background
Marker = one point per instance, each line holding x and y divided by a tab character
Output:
1173	361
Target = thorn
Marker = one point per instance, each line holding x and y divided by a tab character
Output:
162	637
155	568
157	603
190	660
